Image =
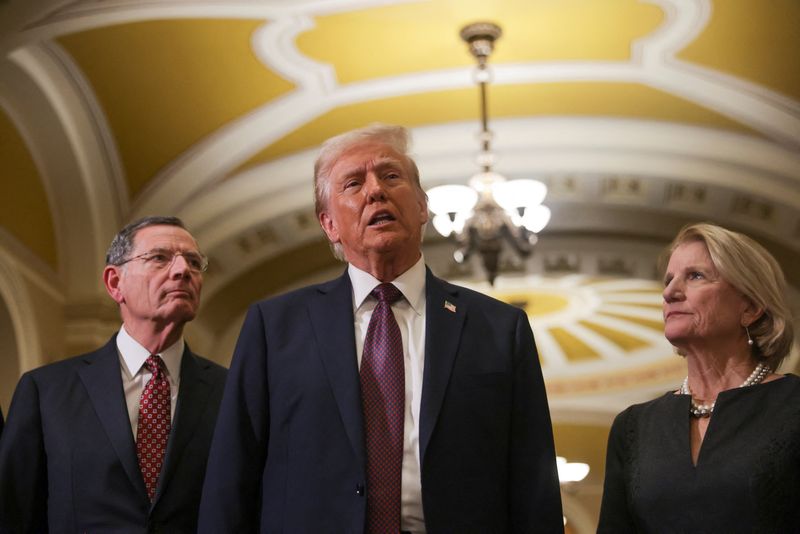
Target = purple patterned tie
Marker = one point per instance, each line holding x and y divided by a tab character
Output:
383	393
152	431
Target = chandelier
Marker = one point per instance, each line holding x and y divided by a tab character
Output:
492	213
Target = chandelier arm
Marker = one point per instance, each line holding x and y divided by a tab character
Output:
521	244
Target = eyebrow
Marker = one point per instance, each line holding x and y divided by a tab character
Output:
378	164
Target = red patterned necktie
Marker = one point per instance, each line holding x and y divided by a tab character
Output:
154	425
383	394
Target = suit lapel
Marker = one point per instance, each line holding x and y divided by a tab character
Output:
332	322
192	399
103	382
444	321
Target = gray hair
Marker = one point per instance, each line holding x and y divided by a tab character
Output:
752	270
395	137
122	244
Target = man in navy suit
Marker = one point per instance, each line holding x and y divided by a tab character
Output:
76	454
293	449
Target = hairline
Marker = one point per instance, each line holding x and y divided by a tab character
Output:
124	241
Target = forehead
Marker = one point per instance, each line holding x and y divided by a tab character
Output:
163	236
691	252
365	155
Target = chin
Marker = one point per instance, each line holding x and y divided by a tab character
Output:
182	314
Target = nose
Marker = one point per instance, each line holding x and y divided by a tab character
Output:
374	188
179	268
673	291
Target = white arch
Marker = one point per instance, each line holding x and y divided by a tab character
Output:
14	292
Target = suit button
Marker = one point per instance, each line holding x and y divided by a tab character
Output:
360	490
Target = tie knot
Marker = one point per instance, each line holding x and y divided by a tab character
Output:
154	364
387	293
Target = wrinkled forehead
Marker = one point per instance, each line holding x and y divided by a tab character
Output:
163	236
365	156
692	252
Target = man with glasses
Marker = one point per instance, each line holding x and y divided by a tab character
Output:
116	440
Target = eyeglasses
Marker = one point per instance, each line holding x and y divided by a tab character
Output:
162	258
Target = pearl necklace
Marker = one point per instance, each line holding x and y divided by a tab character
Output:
705	410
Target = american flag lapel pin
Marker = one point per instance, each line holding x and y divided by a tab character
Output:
449	306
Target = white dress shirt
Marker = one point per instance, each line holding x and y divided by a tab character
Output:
410	315
135	375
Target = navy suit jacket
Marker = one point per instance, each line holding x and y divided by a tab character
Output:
288	452
68	456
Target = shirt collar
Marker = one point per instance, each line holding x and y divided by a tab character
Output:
411	284
134	355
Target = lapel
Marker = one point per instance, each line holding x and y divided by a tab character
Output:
331	313
102	379
444	320
193	394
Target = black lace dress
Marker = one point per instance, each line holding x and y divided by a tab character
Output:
747	477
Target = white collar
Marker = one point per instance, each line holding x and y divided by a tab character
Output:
411	284
134	355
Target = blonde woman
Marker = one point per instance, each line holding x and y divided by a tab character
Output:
721	453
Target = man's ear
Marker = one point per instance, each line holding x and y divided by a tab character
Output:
423	206
329	227
112	279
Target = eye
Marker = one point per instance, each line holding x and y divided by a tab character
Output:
349	184
392	175
158	257
194	261
695	275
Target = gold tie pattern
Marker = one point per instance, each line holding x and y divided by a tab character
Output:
152	431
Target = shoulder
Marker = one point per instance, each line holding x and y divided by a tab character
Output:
781	395
213	368
62	369
303	295
789	381
631	416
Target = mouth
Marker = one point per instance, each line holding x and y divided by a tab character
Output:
180	293
381	218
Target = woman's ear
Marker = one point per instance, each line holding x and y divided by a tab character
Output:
751	313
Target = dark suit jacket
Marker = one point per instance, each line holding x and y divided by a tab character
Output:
288	452
68	456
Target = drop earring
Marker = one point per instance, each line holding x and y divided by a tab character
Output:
749	339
